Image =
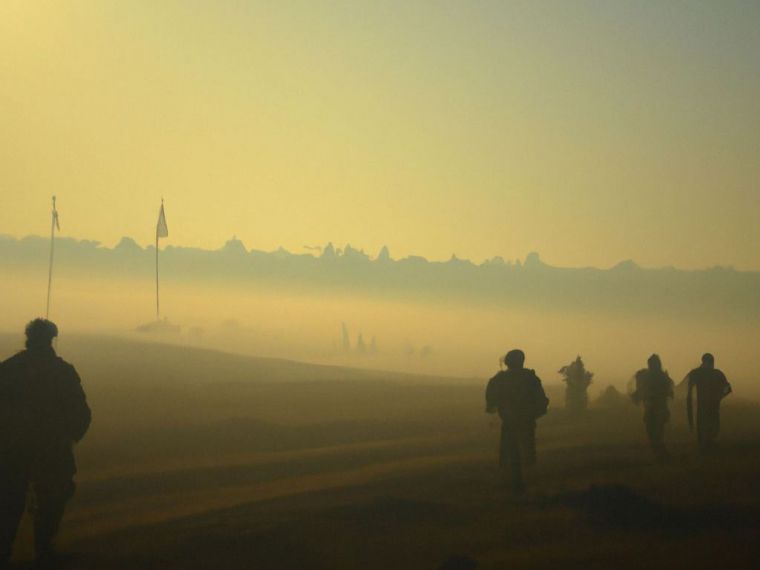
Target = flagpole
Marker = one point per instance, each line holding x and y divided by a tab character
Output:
161	231
50	266
157	305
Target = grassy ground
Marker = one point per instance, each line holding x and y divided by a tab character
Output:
591	506
377	473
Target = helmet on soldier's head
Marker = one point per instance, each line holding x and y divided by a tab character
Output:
515	358
654	362
40	333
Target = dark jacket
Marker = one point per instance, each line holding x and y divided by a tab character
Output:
653	387
517	395
42	404
711	385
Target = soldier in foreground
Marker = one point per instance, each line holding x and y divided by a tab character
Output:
653	387
711	386
43	412
517	395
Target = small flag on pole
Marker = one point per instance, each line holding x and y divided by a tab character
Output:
161	228
55	216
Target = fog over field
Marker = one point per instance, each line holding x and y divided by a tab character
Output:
454	318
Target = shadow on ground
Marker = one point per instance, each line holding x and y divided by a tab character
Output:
621	507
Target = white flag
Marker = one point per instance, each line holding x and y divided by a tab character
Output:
55	218
161	229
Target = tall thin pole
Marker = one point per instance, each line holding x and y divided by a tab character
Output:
161	231
157	305
52	250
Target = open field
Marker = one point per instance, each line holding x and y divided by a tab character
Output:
198	459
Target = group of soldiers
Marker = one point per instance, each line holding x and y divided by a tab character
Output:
517	395
44	412
654	387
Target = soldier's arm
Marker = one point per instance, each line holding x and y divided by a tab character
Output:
78	412
4	403
726	386
636	392
491	406
541	401
539	387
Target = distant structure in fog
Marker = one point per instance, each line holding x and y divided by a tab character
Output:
360	347
384	255
329	251
234	246
612	398
345	339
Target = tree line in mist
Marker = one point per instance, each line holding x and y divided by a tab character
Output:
717	293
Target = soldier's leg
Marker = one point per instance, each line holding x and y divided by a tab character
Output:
510	456
504	447
52	493
662	419
528	444
651	429
716	425
655	427
659	437
707	429
12	500
702	440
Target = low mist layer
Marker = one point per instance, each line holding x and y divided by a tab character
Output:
451	338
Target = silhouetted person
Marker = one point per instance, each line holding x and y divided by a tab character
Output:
711	386
517	395
578	380
43	412
653	388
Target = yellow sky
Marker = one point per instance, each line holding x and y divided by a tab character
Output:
589	133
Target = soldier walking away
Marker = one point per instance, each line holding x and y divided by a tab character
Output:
653	387
578	380
711	386
43	412
517	395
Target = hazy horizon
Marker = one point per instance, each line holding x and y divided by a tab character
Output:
316	249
